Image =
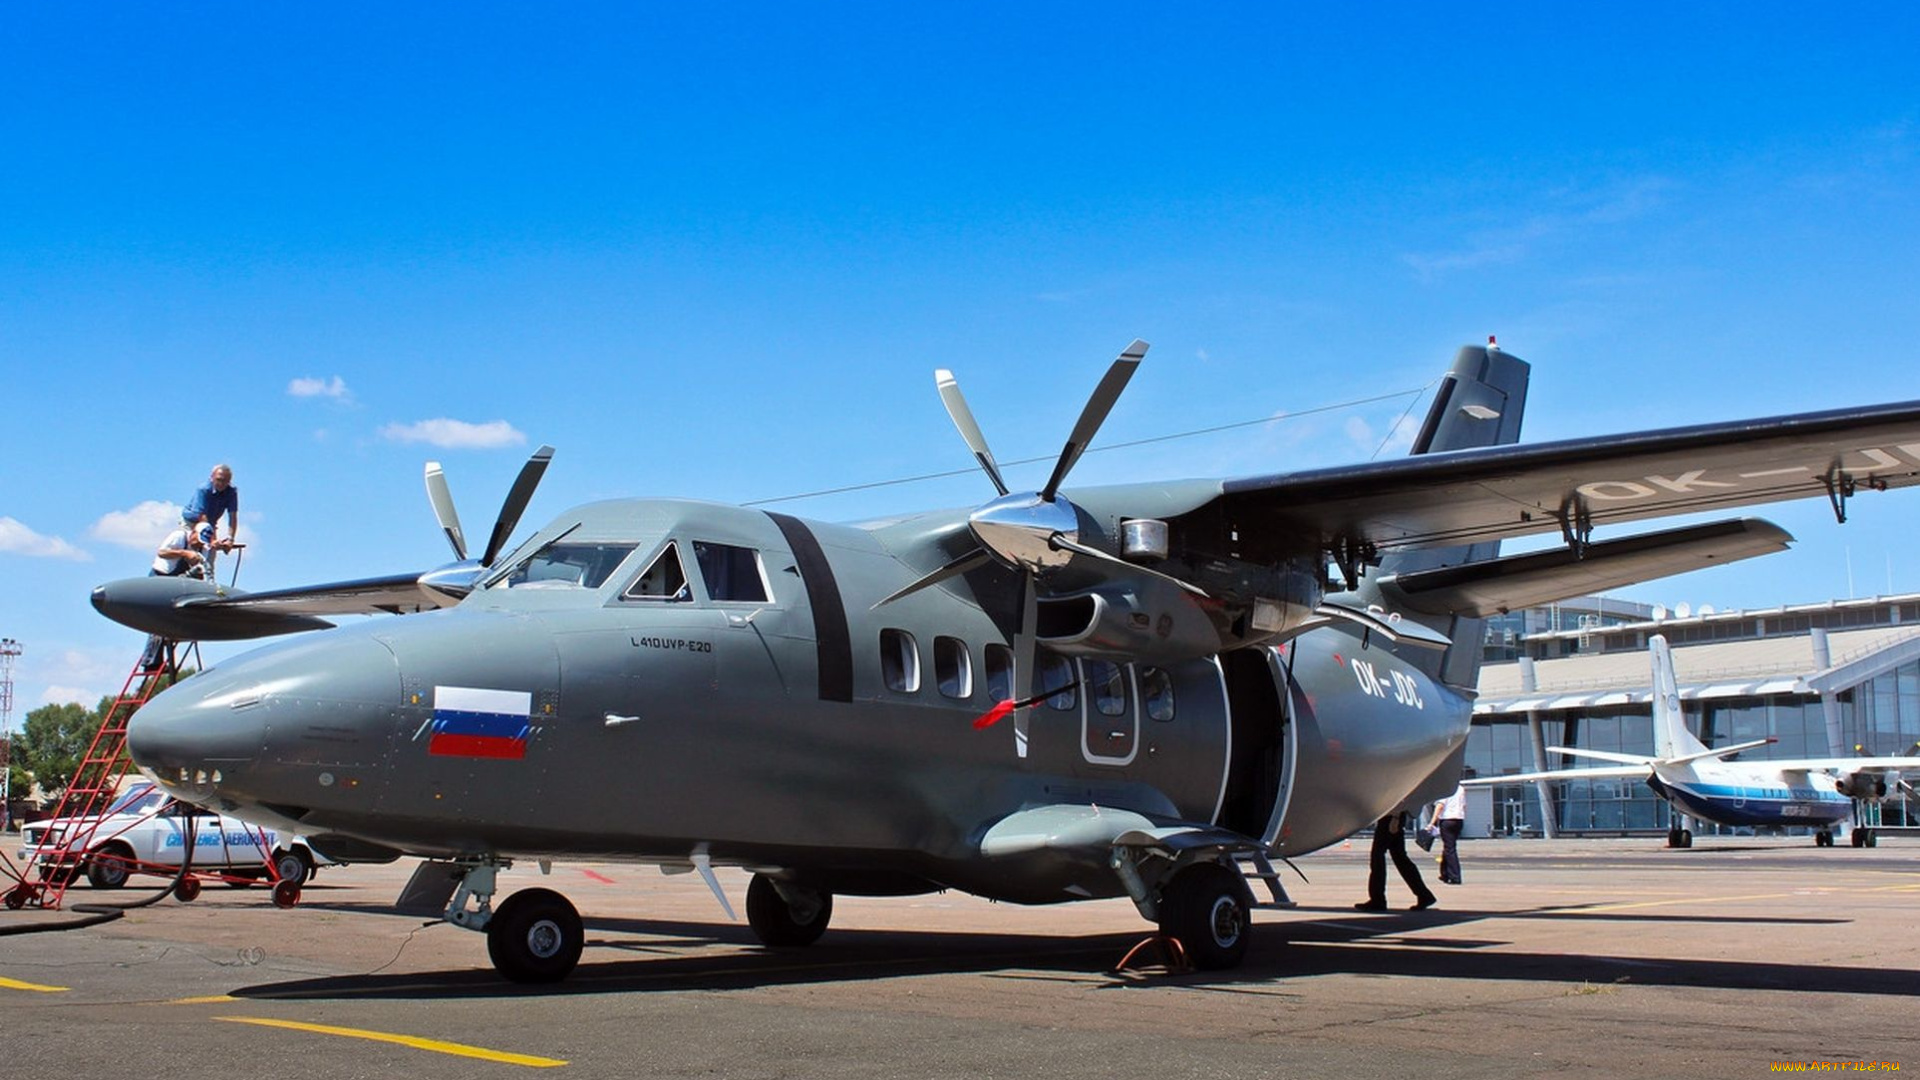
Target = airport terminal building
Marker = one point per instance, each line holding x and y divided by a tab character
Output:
1830	679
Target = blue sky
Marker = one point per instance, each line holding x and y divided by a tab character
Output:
718	251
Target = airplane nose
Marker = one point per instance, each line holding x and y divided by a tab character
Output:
211	728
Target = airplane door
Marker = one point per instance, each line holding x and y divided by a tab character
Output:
1109	713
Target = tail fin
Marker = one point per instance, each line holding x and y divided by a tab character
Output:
1479	403
1671	739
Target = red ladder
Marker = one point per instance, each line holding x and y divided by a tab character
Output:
58	859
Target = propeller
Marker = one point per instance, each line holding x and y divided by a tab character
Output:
1031	532
456	579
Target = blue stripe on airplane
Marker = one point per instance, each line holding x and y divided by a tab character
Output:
1730	804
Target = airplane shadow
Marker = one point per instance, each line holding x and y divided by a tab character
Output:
643	955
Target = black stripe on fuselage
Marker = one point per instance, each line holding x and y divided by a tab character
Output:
829	614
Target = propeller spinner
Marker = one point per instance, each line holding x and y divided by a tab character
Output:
456	579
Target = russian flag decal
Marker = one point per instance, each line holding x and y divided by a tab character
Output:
469	722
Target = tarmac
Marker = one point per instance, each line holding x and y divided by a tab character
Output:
1581	958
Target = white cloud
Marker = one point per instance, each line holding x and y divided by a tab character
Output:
306	386
68	695
141	528
455	434
17	539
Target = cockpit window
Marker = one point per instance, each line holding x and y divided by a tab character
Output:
663	579
568	564
731	573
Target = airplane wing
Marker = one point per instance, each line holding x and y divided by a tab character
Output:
1572	486
1609	772
1639	760
392	595
1847	764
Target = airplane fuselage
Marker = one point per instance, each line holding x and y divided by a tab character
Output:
684	678
1735	794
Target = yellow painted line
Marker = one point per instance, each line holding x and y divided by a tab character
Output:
1681	900
16	984
210	999
435	1045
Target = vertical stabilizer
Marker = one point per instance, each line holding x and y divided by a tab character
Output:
1671	739
1478	403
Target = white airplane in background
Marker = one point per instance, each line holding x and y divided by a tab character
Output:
1817	792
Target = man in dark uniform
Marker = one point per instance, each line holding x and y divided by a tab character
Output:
1390	838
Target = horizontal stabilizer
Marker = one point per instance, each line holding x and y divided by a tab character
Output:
1720	752
1478	590
1603	755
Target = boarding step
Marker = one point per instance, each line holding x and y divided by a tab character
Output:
1262	868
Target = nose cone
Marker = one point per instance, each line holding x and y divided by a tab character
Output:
204	736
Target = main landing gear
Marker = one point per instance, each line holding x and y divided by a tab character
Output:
1679	838
784	915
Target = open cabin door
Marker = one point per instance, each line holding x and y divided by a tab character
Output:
1261	760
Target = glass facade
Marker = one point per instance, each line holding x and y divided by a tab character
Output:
1880	717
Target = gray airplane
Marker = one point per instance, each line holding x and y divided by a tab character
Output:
1044	699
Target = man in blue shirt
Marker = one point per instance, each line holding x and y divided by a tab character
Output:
212	499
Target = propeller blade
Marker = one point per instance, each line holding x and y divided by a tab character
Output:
1077	548
972	559
442	500
969	430
1095	414
516	504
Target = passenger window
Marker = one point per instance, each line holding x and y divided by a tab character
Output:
900	661
1107	686
1000	673
1056	674
663	579
952	667
1156	693
731	573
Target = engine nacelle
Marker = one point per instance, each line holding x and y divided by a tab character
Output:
1148	621
1862	785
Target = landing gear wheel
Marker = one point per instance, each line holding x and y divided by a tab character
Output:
286	892
1686	838
187	889
292	866
17	897
1205	907
1673	838
1873	838
1823	838
535	936
781	925
1858	838
107	869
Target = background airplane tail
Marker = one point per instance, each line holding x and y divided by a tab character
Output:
1671	739
1479	403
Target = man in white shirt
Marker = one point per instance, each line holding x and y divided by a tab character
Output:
1450	815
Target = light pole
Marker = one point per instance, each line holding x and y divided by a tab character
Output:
9	649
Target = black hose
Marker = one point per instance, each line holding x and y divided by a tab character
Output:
97	913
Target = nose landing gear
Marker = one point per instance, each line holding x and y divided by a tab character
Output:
535	936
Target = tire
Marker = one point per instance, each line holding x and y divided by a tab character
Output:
777	924
1207	909
293	865
110	867
187	890
535	937
1686	838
